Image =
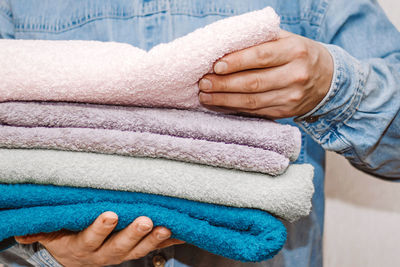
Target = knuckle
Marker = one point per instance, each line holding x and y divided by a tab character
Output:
253	84
118	249
90	244
302	76
300	50
80	254
222	84
239	60
134	235
296	96
250	102
263	55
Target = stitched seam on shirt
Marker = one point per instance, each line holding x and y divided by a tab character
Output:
357	159
324	8
354	102
6	13
351	108
88	18
36	27
291	20
313	16
146	10
46	257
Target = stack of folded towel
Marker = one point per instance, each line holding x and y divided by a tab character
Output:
212	179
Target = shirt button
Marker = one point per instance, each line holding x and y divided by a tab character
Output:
311	119
158	261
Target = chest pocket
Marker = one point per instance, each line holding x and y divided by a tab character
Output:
143	23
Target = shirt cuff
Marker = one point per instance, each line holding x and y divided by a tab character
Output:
339	104
43	257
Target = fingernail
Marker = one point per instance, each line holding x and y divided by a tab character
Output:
205	84
110	221
220	67
163	235
205	98
144	227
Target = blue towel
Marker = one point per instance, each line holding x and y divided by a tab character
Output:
236	233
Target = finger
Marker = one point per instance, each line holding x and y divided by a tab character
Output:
284	34
251	81
149	243
269	54
170	242
29	239
124	241
93	237
273	113
43	238
250	101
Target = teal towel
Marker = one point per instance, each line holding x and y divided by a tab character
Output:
236	233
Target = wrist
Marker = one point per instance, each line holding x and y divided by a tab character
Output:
326	86
341	101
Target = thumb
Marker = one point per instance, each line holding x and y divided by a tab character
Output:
29	239
43	238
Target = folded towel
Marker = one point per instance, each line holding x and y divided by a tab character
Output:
116	73
145	145
253	132
287	196
240	234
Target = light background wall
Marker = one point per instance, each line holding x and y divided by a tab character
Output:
362	223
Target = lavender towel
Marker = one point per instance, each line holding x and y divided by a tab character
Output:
287	196
218	140
252	132
145	145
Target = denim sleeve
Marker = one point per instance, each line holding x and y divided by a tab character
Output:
28	255
359	118
6	23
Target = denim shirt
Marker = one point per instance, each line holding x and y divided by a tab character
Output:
358	118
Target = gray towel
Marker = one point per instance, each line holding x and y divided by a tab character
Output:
287	196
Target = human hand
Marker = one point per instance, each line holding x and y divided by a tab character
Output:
283	78
92	247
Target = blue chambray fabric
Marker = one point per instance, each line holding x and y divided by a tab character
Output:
359	118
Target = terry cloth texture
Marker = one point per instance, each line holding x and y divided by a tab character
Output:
145	145
240	234
253	132
116	73
287	196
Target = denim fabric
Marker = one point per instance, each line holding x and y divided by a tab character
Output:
359	117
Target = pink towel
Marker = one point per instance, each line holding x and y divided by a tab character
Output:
116	73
